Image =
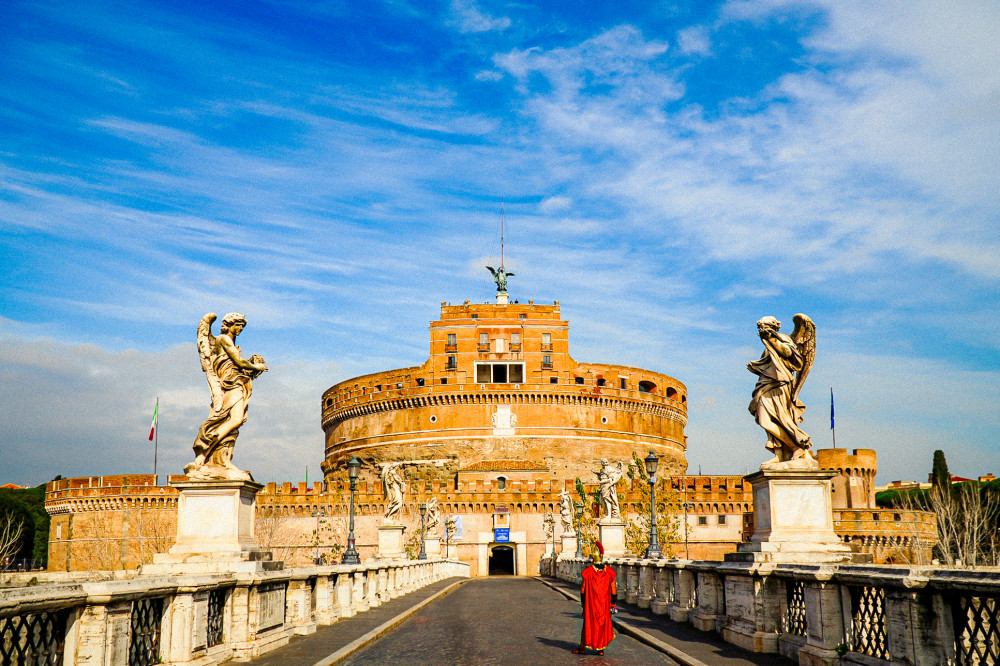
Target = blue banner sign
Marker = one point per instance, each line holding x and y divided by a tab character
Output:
501	535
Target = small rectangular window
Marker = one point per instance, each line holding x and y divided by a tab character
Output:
522	316
624	382
553	380
600	381
483	374
452	339
452	362
546	339
444	380
499	373
722	519
515	338
579	380
484	338
475	316
703	520
546	361
420	381
516	373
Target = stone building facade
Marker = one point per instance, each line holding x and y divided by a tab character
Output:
500	384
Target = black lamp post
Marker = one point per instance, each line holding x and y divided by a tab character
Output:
579	531
423	550
653	552
351	554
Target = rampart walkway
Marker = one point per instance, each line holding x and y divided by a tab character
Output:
502	620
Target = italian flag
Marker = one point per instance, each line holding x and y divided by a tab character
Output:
152	426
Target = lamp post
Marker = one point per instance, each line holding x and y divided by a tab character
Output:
423	550
651	462
317	515
351	554
579	532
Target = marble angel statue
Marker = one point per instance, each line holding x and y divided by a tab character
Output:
566	511
392	486
230	379
781	371
608	477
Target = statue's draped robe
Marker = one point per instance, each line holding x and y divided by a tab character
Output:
236	389
598	592
772	403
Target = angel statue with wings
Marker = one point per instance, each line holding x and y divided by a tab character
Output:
230	380
781	371
500	277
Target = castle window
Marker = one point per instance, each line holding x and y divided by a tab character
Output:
647	387
722	519
501	483
600	381
579	380
452	362
546	342
671	392
522	316
475	316
452	339
484	338
623	382
500	373
553	380
420	381
703	520
546	361
444	380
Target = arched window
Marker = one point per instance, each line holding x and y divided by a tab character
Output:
501	483
646	386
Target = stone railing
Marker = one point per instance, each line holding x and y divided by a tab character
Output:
203	619
823	614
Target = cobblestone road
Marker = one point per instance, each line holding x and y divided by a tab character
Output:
502	621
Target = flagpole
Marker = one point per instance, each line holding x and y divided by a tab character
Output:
833	427
156	438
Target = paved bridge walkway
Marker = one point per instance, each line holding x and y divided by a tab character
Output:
501	620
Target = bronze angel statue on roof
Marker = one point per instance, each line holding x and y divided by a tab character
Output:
230	381
781	371
500	277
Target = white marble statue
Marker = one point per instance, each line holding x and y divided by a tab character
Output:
450	527
230	381
781	371
392	486
607	477
566	511
432	519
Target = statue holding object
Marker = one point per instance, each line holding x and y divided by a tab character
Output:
230	379
566	511
608	477
392	487
781	371
500	277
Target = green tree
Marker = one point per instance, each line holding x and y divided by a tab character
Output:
940	477
588	521
667	521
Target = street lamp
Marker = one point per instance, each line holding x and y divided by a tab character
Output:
351	554
317	515
579	532
651	462
423	550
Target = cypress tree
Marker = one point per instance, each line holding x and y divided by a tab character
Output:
940	476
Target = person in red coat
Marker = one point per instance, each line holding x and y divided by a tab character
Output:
598	594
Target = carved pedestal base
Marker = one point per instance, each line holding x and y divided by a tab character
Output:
568	546
390	542
793	519
215	531
612	536
432	545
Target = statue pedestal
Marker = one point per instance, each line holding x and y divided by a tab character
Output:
390	542
432	545
568	546
793	520
215	531
612	536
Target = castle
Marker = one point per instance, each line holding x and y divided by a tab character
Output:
494	425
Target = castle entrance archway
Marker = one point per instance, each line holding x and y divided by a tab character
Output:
501	561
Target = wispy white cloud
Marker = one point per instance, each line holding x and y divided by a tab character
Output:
468	17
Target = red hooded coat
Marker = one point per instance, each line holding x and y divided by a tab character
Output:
598	592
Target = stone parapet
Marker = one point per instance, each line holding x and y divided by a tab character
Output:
199	619
830	614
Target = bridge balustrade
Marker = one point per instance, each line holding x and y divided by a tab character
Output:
203	618
823	614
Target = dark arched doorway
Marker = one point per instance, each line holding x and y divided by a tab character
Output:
501	561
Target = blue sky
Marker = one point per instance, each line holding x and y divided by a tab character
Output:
671	172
